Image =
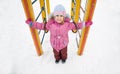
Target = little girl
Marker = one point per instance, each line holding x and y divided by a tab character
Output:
59	24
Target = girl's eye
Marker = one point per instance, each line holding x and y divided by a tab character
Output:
57	15
61	15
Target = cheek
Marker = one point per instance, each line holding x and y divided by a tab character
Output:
62	18
55	19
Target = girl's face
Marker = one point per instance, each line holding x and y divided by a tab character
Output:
59	18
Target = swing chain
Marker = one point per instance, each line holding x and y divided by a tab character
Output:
34	1
39	13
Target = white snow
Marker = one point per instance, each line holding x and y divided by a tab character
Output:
101	54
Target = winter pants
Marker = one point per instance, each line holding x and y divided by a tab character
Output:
62	54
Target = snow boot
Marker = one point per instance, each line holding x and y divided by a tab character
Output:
57	61
63	61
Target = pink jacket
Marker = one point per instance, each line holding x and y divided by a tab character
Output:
58	32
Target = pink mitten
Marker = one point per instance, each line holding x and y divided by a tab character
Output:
29	22
88	23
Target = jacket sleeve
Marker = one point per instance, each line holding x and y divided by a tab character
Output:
71	26
48	26
74	26
38	25
80	25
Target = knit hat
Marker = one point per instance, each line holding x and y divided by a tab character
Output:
59	10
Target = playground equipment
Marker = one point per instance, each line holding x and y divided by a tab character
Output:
75	16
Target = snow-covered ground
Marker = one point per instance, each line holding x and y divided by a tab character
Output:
101	54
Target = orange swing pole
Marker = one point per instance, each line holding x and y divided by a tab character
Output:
28	9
